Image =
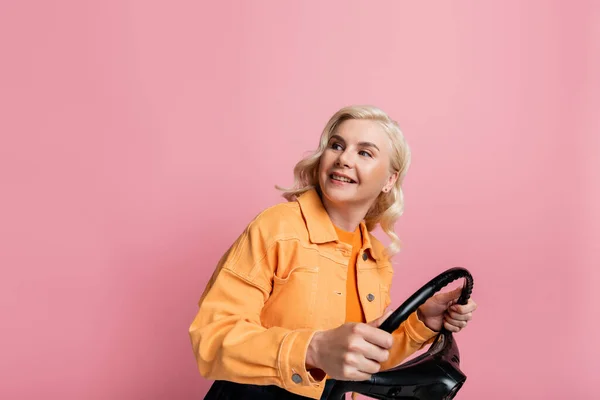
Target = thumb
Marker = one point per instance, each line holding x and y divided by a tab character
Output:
376	322
449	297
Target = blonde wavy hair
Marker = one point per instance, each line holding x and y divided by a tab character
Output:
388	207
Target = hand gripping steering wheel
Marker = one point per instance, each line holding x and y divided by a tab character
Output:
434	375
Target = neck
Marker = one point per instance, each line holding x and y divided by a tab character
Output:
346	218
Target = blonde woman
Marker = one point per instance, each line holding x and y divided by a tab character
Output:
298	297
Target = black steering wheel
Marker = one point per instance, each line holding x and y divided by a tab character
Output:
434	375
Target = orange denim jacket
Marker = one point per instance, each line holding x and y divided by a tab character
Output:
281	281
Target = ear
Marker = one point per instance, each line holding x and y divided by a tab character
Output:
390	182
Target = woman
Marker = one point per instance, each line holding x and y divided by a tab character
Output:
288	304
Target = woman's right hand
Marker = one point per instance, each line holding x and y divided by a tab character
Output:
351	352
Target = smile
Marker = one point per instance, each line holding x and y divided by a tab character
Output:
341	178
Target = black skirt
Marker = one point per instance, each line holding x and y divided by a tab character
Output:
225	390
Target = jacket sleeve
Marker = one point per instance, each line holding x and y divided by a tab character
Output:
411	336
227	337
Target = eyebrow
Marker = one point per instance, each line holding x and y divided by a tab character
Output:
362	144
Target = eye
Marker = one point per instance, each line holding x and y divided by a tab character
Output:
336	146
365	153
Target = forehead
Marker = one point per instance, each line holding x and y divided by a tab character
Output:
363	130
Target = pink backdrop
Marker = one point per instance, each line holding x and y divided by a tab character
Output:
138	138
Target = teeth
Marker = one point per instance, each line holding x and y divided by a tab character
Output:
341	178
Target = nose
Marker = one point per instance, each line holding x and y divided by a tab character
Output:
344	160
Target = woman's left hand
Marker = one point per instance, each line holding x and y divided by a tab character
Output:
442	309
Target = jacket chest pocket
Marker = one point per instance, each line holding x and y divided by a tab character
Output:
292	301
384	295
374	290
385	272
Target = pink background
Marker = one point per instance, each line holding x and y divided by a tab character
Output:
138	138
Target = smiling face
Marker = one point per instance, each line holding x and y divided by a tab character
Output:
355	166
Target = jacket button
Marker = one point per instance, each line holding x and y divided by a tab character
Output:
296	378
370	297
365	256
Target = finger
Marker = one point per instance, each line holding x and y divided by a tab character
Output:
356	367
352	374
451	327
456	293
349	372
465	308
359	347
367	366
377	322
447	297
373	352
455	322
459	317
374	335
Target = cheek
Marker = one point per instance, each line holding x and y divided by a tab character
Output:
324	162
322	167
375	173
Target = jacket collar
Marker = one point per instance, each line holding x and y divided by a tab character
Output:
319	225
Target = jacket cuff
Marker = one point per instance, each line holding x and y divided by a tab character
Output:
417	330
291	360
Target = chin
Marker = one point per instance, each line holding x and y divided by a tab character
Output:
338	195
